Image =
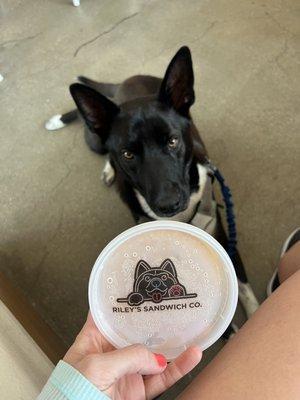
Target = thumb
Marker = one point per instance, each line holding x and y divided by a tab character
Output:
134	359
105	369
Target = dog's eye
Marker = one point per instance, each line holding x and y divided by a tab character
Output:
164	277
173	142
127	154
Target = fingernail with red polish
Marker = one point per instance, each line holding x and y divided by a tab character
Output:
161	360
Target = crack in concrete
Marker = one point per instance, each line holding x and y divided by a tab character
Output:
104	33
39	267
285	46
206	31
61	181
64	161
165	49
209	28
276	22
67	174
17	41
281	54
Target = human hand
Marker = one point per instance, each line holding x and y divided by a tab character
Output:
130	373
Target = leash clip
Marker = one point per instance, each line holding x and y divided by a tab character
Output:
211	168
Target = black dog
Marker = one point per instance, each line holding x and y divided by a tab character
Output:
155	151
155	284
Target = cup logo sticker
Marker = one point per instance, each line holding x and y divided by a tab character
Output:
155	284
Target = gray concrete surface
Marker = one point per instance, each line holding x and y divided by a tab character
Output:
56	216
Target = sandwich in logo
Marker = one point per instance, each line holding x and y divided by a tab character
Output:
155	284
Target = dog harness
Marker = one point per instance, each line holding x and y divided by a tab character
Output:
205	216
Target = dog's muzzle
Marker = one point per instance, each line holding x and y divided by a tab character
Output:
156	285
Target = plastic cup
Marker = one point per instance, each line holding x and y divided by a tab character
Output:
165	284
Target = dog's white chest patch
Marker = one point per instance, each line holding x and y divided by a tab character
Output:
183	216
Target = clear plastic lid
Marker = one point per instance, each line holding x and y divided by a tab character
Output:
165	284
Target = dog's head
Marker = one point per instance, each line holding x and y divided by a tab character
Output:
149	138
154	280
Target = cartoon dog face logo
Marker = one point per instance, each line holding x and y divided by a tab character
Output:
155	284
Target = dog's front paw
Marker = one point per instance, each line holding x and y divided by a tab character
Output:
247	298
135	299
108	174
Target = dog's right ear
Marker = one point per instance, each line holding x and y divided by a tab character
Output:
168	266
97	111
141	267
177	88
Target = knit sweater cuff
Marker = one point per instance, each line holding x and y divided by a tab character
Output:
66	383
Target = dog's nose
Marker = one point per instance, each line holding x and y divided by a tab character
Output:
169	201
167	205
156	282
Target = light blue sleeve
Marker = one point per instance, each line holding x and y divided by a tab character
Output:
66	383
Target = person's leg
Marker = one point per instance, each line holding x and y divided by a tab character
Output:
262	361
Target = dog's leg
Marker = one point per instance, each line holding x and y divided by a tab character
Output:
246	294
230	331
247	298
108	174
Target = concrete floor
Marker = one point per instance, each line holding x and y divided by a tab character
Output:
56	216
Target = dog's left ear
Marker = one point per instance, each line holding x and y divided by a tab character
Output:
97	110
168	266
142	266
177	88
